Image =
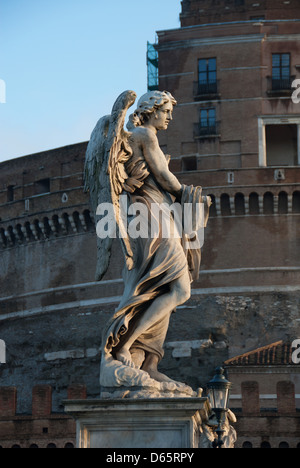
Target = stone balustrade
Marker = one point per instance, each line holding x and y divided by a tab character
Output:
227	202
247	201
36	228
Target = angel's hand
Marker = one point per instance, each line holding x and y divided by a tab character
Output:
178	194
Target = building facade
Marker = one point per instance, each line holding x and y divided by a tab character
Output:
233	81
265	396
236	133
233	67
236	127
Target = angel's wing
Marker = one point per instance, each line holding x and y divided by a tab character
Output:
105	175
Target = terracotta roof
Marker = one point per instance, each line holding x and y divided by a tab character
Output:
275	354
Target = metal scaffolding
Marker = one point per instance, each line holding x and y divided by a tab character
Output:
152	66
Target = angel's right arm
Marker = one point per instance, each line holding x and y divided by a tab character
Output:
158	163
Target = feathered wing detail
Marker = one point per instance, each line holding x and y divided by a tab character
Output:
106	177
97	183
95	163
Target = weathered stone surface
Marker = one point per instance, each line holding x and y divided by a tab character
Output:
146	423
218	318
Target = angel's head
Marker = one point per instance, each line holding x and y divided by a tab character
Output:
153	102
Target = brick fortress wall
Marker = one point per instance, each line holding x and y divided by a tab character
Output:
52	311
212	11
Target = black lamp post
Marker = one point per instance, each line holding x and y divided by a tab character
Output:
218	394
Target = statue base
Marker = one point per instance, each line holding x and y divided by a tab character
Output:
158	390
139	423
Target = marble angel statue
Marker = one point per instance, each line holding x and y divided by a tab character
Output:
158	269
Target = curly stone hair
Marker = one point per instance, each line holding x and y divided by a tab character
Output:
147	104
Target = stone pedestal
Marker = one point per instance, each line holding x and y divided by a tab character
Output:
143	423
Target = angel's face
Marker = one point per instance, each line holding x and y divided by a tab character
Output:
163	116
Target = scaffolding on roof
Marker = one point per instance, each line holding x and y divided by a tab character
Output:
152	67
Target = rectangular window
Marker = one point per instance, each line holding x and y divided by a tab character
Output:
281	72
208	123
189	163
42	186
207	76
10	193
208	118
207	126
281	145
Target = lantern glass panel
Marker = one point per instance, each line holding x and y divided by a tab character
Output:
218	398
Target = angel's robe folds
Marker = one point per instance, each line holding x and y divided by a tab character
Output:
158	261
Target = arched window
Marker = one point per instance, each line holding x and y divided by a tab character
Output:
56	225
3	237
265	444
20	234
69	445
239	203
268	203
12	237
51	446
282	203
296	202
77	222
247	445
67	223
213	210
225	205
88	220
37	232
47	227
28	231
284	445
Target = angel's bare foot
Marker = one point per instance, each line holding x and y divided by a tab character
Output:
124	356
158	376
150	366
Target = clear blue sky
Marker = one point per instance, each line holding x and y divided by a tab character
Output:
64	63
